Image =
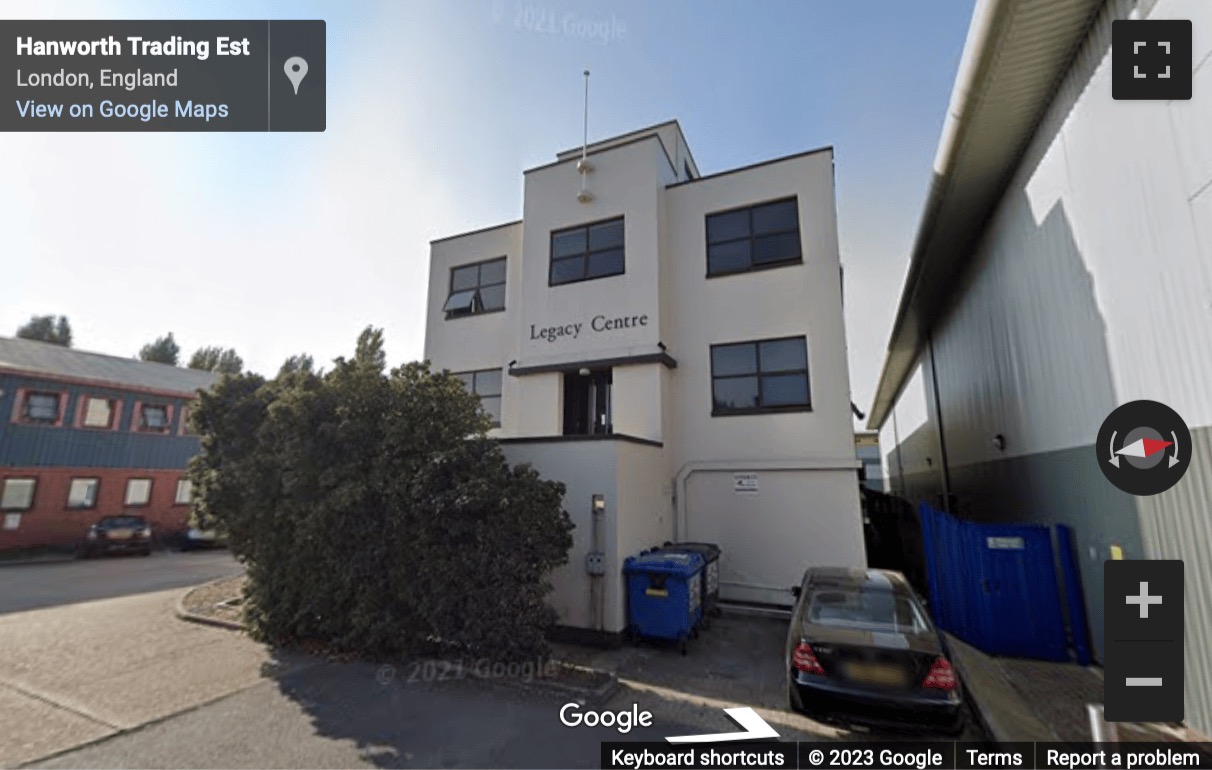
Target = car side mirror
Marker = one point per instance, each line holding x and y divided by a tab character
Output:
796	591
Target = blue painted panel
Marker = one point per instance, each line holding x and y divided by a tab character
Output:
994	585
39	445
1079	624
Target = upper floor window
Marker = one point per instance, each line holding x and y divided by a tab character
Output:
586	252
41	407
82	493
753	238
153	418
17	494
98	412
478	288
761	376
485	383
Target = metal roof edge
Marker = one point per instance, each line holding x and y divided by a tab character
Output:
984	51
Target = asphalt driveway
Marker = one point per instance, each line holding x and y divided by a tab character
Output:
30	586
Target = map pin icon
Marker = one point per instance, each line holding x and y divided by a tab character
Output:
296	70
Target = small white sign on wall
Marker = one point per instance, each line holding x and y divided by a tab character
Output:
1005	543
745	483
12	520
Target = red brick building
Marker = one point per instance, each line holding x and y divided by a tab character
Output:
84	435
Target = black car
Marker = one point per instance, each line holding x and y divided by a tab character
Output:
126	534
862	650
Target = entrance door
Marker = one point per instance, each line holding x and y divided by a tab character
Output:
587	403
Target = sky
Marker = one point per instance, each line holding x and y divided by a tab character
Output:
277	244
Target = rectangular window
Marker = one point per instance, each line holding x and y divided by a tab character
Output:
753	238
98	412
18	494
185	490
485	383
41	407
138	491
762	376
586	252
478	288
82	493
153	418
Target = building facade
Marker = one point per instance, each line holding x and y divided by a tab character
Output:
1063	268
84	435
867	449
671	345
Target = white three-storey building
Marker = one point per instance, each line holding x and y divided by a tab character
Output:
670	345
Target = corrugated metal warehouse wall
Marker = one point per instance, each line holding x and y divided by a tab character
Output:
1091	287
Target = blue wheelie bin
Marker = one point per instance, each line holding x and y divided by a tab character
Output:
664	595
711	572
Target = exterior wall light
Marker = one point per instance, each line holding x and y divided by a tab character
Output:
599	503
584	373
999	442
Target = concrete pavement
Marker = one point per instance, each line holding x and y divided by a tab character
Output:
343	715
79	672
30	586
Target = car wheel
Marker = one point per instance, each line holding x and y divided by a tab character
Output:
146	551
82	552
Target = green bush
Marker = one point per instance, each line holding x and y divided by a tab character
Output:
373	513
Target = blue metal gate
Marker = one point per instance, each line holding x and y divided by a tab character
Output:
994	585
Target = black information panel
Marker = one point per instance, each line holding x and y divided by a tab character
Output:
162	75
907	755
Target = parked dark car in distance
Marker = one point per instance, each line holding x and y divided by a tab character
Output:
198	539
862	650
126	533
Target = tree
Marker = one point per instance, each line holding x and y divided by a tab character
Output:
164	350
374	514
300	363
47	328
216	359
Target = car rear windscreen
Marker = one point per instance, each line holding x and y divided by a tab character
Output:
866	609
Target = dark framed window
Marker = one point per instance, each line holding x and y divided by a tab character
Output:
754	238
485	383
82	493
153	418
41	407
586	252
477	288
138	491
761	376
17	494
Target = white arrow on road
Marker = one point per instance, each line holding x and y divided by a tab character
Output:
755	727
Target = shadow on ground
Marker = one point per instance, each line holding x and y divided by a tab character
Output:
413	715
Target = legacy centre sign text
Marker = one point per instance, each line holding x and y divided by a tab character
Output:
599	323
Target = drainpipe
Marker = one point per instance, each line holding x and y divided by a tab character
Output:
596	564
942	436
